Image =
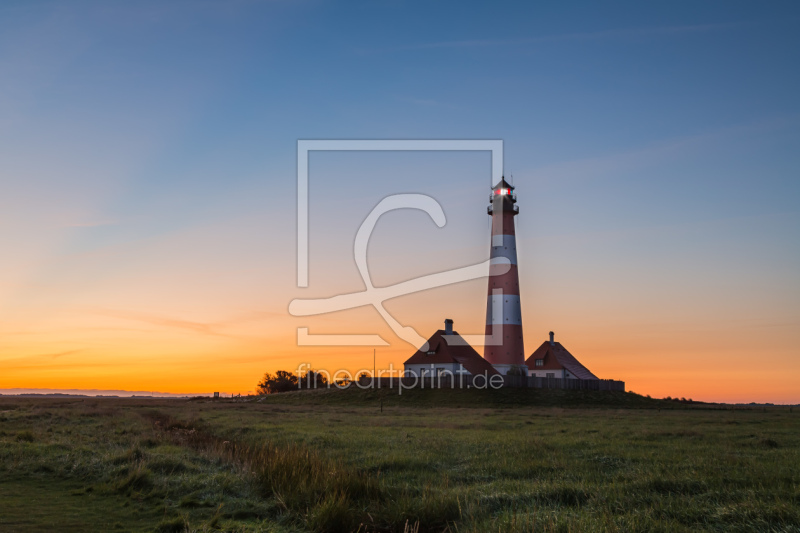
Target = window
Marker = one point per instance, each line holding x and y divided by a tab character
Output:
551	374
540	362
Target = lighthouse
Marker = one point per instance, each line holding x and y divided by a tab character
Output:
504	348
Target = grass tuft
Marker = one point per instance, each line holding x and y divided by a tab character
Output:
139	480
172	525
134	455
26	436
168	465
564	496
332	515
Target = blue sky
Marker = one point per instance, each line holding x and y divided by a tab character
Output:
203	89
153	144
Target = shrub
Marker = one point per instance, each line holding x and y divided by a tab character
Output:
281	381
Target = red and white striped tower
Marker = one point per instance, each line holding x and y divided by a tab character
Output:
504	348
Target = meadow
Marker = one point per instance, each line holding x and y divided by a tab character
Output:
458	461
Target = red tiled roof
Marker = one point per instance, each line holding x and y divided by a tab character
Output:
557	357
455	351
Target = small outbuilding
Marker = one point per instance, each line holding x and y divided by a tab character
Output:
551	360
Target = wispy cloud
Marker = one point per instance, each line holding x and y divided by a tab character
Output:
36	360
425	102
625	33
205	328
589	168
56	355
419	101
92	223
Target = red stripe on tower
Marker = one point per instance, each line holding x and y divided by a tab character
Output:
504	348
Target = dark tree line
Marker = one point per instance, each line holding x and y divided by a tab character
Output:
283	381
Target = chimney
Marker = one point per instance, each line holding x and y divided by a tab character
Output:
552	336
448	326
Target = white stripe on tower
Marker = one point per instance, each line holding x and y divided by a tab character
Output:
504	246
503	309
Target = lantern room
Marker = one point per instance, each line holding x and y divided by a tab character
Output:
503	198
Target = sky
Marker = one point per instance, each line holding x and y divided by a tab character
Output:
148	186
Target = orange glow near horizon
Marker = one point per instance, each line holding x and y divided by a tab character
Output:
146	352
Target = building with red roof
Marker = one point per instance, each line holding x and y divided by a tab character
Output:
552	360
447	353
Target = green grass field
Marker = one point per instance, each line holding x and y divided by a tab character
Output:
459	461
